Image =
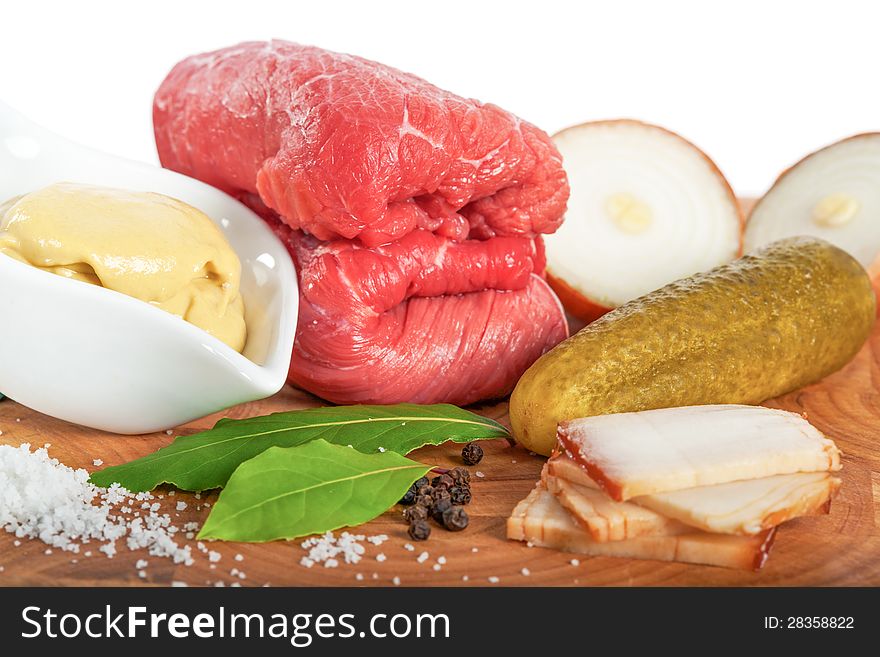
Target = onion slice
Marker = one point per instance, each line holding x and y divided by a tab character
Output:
833	193
647	207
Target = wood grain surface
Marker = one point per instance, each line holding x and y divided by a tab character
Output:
842	548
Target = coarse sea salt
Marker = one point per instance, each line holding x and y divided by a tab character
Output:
328	548
41	498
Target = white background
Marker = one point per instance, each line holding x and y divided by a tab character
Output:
757	84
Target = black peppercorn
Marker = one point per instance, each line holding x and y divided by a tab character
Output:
421	481
442	481
460	475
426	489
472	454
415	512
408	497
440	507
440	494
419	530
455	518
424	500
460	494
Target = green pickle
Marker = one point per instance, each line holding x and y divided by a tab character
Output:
761	326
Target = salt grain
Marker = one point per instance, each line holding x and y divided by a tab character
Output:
494	580
441	560
181	506
436	566
396	581
423	557
575	562
329	546
526	572
97	463
380	557
41	498
409	547
214	557
238	557
479	474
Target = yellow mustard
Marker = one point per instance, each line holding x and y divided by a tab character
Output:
148	246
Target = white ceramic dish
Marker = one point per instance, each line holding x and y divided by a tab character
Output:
105	360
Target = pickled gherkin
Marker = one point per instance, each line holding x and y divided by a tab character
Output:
766	324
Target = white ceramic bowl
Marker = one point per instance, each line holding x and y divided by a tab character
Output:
105	360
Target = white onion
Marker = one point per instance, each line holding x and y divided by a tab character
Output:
647	207
833	193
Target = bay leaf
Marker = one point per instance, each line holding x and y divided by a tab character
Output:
287	492
206	460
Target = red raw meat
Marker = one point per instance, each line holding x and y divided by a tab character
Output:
427	319
413	215
344	147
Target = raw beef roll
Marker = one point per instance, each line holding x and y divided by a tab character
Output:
423	320
414	215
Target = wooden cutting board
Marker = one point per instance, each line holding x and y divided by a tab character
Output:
842	548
